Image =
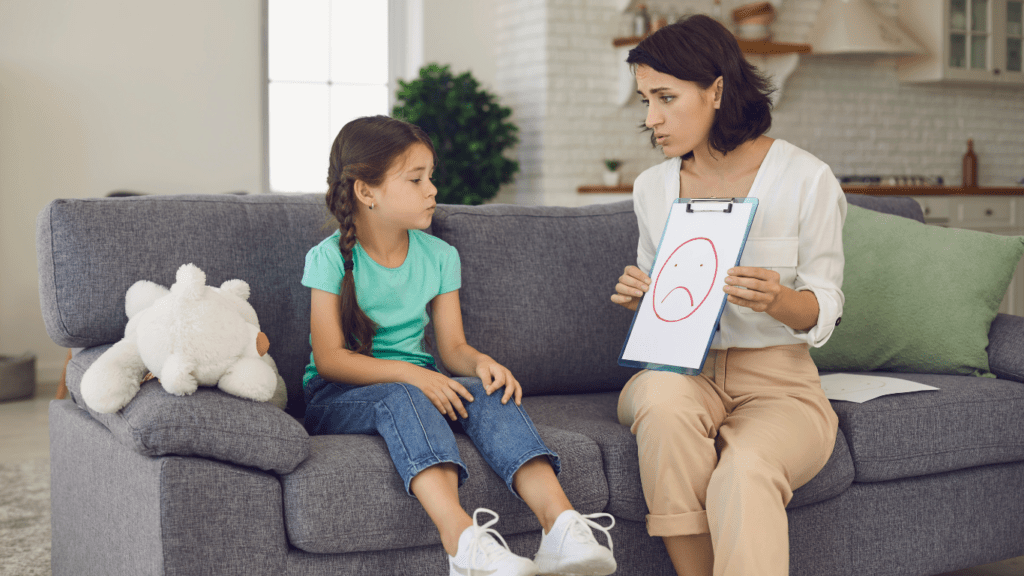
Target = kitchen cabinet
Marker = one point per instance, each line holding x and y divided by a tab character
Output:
968	41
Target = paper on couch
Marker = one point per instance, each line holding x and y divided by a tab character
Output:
861	388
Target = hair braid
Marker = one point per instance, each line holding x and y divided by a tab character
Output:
357	327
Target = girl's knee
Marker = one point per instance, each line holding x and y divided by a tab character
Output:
471	383
400	396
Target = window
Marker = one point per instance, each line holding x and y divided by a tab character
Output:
328	61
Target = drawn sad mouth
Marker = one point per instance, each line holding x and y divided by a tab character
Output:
679	288
694	262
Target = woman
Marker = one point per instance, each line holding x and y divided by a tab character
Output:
722	452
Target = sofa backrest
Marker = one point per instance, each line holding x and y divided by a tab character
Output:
536	287
898	205
91	250
535	293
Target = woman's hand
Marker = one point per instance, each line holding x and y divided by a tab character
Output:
495	376
754	288
631	288
442	391
759	290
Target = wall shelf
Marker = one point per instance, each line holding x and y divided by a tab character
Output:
598	189
758	47
776	59
935	190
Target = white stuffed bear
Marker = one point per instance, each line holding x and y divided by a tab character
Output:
191	335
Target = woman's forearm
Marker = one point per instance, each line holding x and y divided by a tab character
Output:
797	309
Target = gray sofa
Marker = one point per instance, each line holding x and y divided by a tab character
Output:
212	484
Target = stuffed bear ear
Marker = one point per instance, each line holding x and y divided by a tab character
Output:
189	282
142	295
239	288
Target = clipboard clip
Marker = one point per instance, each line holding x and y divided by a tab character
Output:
710	205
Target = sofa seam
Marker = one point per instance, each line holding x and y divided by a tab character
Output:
547	217
928	408
935	453
53	269
366	534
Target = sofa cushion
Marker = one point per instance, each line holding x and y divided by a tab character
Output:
918	298
536	287
594	416
348	497
91	250
967	422
208	423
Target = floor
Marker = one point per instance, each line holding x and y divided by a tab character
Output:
24	436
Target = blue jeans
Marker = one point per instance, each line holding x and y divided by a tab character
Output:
417	435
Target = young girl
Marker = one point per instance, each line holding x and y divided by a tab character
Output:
722	452
369	372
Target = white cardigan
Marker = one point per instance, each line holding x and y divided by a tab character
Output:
797	232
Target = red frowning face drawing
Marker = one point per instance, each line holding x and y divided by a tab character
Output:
685	280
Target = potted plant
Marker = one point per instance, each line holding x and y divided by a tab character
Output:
611	174
469	129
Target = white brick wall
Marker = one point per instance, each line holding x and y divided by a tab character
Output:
557	69
854	114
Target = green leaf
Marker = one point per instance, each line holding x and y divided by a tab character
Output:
469	128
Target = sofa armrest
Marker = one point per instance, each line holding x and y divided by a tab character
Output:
1006	347
208	423
118	512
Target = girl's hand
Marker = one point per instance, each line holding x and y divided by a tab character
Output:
755	288
494	376
631	287
442	391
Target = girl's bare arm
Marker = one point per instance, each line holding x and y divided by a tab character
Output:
461	358
336	363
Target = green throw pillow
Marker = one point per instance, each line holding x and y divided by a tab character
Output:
918	298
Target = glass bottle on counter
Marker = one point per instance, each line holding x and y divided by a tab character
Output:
970	166
641	21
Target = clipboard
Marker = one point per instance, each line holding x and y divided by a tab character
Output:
677	319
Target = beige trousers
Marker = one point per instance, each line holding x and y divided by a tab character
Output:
722	452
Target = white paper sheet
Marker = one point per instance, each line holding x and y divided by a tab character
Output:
860	388
679	314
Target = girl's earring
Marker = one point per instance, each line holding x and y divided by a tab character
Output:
371	205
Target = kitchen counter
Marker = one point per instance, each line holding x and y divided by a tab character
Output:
861	189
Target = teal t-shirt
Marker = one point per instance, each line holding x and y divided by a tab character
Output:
394	298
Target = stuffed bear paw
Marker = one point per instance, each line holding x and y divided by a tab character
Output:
113	380
177	376
249	378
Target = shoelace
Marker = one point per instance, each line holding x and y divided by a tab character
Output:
488	546
581	525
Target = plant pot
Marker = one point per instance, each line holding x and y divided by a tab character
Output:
17	376
611	178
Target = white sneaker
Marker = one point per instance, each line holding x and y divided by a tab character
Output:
570	547
480	554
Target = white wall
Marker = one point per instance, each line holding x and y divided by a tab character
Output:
461	33
99	95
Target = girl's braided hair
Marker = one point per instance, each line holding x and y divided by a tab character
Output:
364	149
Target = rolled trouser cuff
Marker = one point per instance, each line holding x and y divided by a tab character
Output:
678	524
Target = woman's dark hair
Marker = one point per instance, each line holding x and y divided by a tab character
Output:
698	49
364	149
